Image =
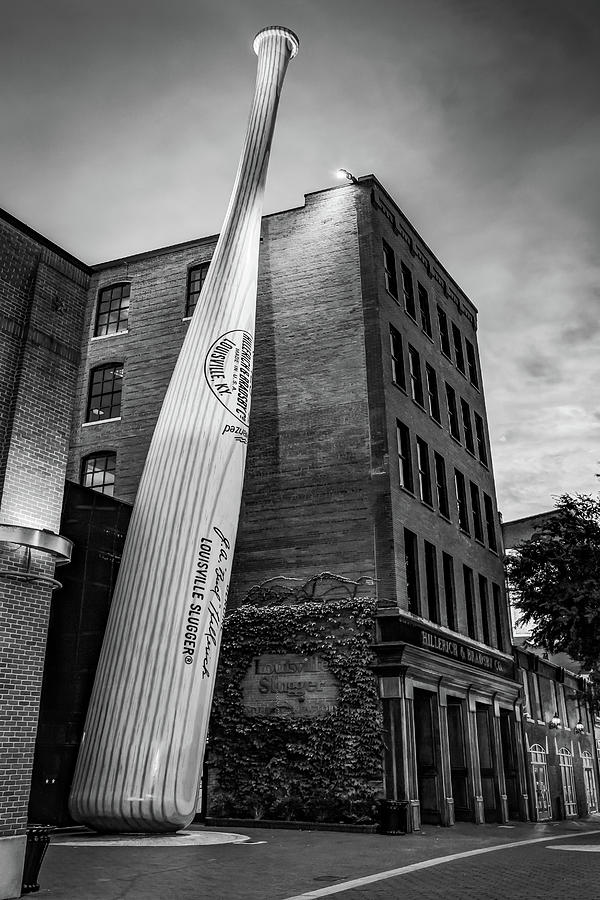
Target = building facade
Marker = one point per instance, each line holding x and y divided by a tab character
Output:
368	456
42	299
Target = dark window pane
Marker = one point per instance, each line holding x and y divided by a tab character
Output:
483	601
398	376
472	363
389	270
196	279
424	310
441	485
404	456
112	310
449	590
476	510
408	291
490	522
497	595
432	393
452	413
467	426
444	334
412	571
469	600
424	472
416	381
431	580
458	348
104	401
481	446
461	501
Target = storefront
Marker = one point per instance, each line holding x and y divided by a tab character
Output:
452	713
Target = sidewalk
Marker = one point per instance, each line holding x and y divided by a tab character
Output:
255	864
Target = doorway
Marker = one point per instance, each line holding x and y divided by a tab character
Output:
509	757
487	762
459	773
427	746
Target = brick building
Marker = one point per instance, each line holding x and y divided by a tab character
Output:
368	456
42	294
560	728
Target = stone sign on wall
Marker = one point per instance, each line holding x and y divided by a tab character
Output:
289	685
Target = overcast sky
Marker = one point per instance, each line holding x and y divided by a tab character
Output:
122	123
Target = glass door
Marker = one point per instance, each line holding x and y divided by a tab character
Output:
539	772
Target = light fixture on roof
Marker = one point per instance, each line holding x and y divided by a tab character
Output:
344	173
554	721
579	728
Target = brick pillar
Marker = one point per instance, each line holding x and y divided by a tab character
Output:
41	307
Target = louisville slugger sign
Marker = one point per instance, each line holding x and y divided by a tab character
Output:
141	755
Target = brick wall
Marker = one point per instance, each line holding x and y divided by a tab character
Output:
307	476
42	293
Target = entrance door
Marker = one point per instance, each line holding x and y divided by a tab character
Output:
486	762
509	754
427	744
589	782
539	773
459	773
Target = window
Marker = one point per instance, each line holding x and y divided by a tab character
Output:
404	456
424	472
98	472
481	448
389	270
452	413
476	510
408	291
490	522
412	571
589	782
497	597
562	705
444	334
416	382
467	426
469	600
104	401
441	485
432	393
461	501
472	363
534	683
424	310
398	376
449	590
483	602
568	782
196	278
112	312
458	348
527	705
431	581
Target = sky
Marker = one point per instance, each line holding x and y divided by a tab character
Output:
121	125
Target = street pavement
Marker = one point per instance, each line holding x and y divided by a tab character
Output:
554	861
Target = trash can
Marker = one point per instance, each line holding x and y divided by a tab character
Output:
393	816
38	838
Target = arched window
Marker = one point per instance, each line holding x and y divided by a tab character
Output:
104	398
112	312
568	782
196	278
539	773
589	781
98	472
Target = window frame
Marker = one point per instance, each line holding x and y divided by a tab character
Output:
397	358
106	455
424	472
445	345
405	466
480	438
476	511
441	485
433	396
114	414
192	296
472	363
390	274
461	501
411	561
416	376
424	311
122	321
467	423
452	409
459	356
408	291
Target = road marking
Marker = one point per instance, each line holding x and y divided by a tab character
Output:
170	841
426	864
581	848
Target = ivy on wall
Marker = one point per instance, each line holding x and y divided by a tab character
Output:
326	768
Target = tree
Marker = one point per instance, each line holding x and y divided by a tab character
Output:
556	577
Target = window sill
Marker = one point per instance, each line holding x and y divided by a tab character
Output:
464	531
393	296
101	422
400	388
408	491
455	439
428	336
485	465
103	337
411	317
420	405
471	452
425	503
444	517
436	421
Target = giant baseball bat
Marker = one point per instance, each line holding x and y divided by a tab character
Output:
141	754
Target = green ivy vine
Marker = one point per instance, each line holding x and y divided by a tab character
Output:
327	768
